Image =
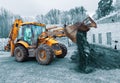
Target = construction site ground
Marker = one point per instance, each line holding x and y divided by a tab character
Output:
59	71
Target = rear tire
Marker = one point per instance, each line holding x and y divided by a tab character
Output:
20	53
44	54
64	51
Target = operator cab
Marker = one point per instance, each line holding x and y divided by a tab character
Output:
30	33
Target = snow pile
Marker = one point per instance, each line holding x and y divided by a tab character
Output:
3	42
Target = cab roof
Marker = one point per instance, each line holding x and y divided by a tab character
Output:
33	23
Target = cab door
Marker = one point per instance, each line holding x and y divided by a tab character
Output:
28	34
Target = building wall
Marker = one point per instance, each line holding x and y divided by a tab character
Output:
117	4
104	29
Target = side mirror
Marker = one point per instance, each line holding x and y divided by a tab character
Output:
54	36
65	25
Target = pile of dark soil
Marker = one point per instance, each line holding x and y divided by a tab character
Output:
99	57
105	58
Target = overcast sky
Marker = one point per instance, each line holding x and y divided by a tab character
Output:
35	7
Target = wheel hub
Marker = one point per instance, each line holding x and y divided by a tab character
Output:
42	55
19	54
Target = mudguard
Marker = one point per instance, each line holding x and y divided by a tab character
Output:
25	44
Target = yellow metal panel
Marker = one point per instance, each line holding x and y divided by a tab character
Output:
12	47
51	41
23	43
58	52
34	23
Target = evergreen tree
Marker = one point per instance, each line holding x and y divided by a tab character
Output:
65	17
104	8
77	14
40	18
55	16
6	21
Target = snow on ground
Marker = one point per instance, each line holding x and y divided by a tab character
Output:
3	42
59	71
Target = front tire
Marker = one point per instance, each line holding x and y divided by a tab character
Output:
64	51
20	53
44	54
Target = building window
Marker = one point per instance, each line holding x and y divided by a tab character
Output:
109	39
100	38
93	38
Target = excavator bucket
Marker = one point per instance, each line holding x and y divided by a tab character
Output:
83	26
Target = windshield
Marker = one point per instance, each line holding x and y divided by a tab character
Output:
38	30
30	32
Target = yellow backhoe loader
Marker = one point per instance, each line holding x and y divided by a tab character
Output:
31	39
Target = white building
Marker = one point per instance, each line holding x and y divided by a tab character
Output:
106	35
117	4
108	30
